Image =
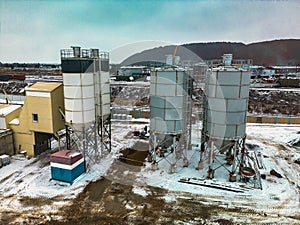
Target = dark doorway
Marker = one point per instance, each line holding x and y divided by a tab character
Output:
42	142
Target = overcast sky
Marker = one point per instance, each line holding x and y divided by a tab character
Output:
35	31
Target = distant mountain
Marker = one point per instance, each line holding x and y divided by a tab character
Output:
277	52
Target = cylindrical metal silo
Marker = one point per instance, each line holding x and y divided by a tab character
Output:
224	124
102	88
87	99
227	103
170	106
168	101
86	85
79	98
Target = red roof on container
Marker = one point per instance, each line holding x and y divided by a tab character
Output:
67	157
66	153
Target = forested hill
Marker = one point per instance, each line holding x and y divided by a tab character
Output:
277	52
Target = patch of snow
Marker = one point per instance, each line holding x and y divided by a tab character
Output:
169	198
140	191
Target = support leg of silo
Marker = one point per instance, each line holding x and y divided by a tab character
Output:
210	152
232	177
149	157
83	143
68	137
210	173
150	147
174	147
202	149
104	131
95	142
235	157
172	168
154	165
154	148
200	165
185	162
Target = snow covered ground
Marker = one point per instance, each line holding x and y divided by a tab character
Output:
279	196
278	199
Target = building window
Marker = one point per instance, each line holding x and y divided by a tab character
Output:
35	117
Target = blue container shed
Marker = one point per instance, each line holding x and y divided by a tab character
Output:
67	165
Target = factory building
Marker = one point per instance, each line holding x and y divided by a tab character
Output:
243	63
39	118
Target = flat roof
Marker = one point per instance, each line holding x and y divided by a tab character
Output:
44	86
6	109
227	69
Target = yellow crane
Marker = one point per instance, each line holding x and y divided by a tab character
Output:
175	51
174	54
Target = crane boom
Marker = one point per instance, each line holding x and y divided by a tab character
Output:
175	51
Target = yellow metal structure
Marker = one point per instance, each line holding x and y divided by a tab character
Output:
39	118
175	51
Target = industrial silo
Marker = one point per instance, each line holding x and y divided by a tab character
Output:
102	88
87	98
226	92
225	114
170	107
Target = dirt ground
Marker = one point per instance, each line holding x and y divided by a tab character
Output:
107	202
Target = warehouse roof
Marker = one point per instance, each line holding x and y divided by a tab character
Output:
44	86
6	109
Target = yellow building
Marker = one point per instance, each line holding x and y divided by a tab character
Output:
39	118
7	113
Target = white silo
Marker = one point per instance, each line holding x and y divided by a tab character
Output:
225	114
170	106
87	98
79	99
227	91
102	86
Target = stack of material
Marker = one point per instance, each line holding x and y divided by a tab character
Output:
66	165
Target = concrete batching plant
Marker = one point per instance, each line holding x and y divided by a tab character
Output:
87	100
